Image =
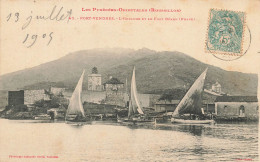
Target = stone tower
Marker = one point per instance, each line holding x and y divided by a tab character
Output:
94	80
114	92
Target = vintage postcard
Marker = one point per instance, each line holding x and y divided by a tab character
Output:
140	80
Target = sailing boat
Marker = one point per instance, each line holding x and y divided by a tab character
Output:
191	104
135	111
75	111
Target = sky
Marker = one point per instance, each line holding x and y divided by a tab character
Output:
65	37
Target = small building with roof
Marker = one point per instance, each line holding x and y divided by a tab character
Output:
237	107
216	87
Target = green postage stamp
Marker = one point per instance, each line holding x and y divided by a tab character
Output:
225	32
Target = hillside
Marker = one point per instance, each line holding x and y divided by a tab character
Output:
155	71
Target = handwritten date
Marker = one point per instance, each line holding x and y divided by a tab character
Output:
16	16
56	14
34	38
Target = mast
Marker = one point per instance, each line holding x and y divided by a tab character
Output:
130	109
75	105
126	85
192	101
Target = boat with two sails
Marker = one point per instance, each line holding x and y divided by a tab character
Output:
135	111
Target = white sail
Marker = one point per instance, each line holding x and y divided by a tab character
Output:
134	104
75	105
192	101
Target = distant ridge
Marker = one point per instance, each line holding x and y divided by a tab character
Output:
155	71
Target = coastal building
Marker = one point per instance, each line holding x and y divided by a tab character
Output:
31	96
15	98
166	106
144	99
237	106
208	103
153	99
94	81
114	92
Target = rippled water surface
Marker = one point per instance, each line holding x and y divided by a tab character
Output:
107	141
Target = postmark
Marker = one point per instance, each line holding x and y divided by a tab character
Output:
225	33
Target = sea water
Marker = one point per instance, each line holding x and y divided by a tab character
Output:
22	140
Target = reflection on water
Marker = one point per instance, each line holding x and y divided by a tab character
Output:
111	141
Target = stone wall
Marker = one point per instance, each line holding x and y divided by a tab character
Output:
93	108
232	109
3	99
31	96
57	91
115	94
89	96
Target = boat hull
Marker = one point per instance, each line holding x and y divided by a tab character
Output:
75	119
134	120
182	121
138	121
42	117
75	123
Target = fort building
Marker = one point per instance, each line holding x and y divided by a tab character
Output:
115	92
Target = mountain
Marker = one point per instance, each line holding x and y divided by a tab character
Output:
155	71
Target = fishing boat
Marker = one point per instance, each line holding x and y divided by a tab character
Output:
189	109
135	111
75	112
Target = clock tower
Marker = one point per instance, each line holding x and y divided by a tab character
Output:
94	81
